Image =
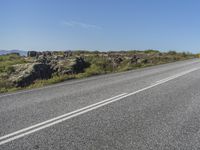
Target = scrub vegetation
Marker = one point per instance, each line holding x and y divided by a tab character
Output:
38	69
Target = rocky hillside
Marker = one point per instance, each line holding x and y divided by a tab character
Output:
42	68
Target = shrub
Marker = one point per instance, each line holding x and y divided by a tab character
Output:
93	70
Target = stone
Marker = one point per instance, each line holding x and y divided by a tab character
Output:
25	74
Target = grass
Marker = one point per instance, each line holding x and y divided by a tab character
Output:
98	66
7	62
6	68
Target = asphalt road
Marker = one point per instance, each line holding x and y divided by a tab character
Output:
151	108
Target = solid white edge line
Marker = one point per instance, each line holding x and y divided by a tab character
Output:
57	121
177	75
59	117
95	106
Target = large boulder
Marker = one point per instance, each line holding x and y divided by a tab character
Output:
25	74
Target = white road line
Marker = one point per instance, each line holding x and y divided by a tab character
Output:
177	75
59	117
17	136
163	81
26	131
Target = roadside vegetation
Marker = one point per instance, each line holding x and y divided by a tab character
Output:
44	68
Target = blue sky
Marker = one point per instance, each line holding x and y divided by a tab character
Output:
100	24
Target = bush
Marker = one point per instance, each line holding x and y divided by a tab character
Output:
93	70
151	51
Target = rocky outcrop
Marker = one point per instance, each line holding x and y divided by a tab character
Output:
43	68
25	74
69	66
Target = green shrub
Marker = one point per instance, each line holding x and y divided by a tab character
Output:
93	70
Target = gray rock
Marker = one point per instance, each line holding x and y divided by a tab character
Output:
25	74
32	54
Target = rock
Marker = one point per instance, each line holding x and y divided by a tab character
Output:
46	53
25	74
67	53
69	66
43	66
32	54
134	59
38	54
142	60
118	60
78	65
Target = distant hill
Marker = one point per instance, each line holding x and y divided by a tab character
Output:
21	52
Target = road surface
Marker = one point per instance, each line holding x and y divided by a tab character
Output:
150	108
